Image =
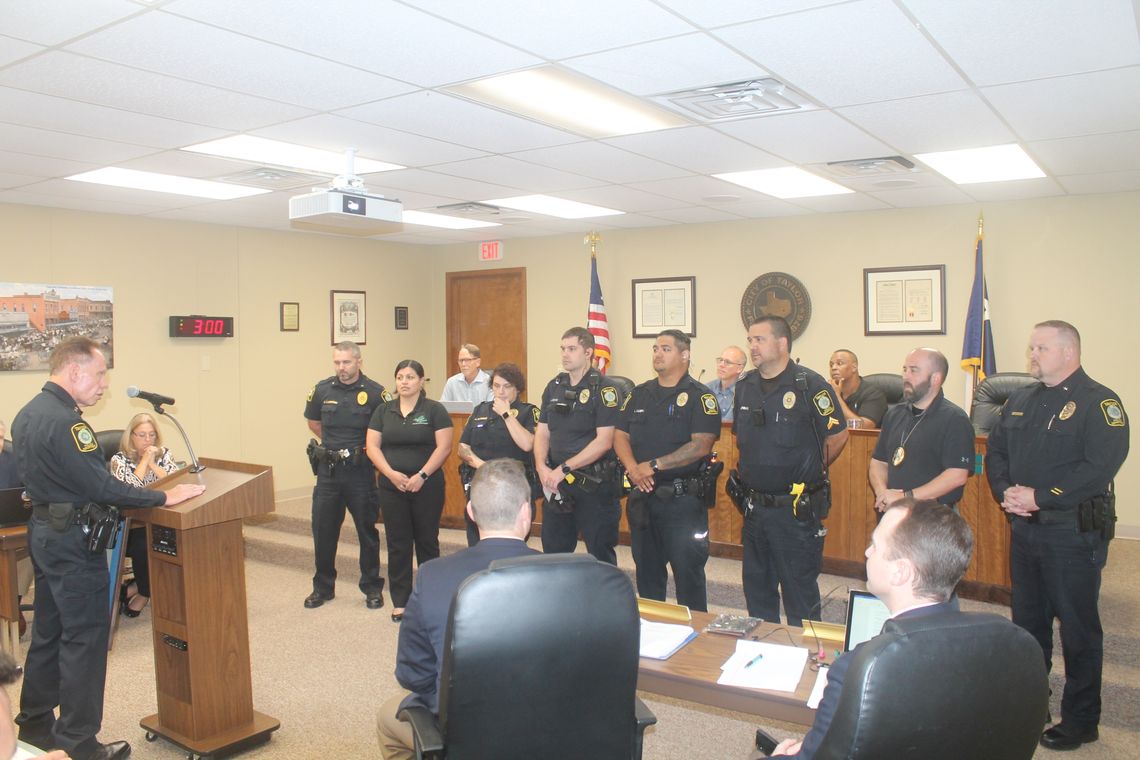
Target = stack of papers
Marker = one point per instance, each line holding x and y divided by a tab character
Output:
660	640
760	665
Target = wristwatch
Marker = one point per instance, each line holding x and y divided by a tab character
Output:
565	469
507	414
653	465
423	475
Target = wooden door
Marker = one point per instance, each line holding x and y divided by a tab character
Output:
487	308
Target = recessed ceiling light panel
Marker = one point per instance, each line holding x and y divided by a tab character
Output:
261	150
551	206
788	182
428	219
165	183
997	163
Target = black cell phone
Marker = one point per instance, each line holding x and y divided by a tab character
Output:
765	742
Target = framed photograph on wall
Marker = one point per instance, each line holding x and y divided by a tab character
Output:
904	300
664	303
348	315
290	316
401	317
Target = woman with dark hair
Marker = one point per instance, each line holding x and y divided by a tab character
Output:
408	441
502	428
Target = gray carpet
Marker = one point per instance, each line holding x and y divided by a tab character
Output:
323	672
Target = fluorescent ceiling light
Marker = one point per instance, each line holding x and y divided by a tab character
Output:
570	101
166	183
260	150
997	163
551	206
442	220
788	182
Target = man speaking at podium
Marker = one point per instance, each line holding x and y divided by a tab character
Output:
69	484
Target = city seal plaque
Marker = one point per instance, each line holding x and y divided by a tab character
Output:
777	294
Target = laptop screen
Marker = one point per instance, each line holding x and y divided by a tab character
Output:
866	615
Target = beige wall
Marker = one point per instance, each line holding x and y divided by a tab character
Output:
1070	258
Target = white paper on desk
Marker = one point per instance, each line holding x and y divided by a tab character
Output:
660	640
780	669
817	691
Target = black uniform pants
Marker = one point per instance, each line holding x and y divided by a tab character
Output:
354	488
595	515
67	661
1055	573
140	564
410	520
670	531
781	554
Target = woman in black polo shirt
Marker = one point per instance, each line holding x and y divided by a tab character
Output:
500	428
408	440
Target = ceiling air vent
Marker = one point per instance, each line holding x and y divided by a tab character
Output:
271	178
485	212
738	100
870	167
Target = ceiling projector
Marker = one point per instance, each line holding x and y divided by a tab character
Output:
346	208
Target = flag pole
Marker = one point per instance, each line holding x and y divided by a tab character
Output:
972	378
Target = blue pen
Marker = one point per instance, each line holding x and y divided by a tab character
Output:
754	660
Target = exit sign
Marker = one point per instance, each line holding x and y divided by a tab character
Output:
491	250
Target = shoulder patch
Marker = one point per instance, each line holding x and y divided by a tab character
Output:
387	395
84	438
534	411
1113	412
625	403
609	396
708	403
823	405
312	392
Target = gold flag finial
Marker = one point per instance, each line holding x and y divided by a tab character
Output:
592	239
981	223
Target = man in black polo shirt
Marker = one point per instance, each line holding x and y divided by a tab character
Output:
860	401
926	447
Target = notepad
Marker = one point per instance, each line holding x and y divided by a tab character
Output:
778	669
659	641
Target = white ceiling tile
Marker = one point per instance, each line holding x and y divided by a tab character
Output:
698	149
186	164
1105	101
510	171
1013	189
605	162
922	196
221	215
42	166
1088	155
628	221
807	137
416	237
69	147
695	60
1013	40
559	29
376	35
16	180
625	198
99	205
434	183
1107	182
459	121
839	203
722	12
92	81
947	121
187	49
50	22
136	198
64	115
695	215
695	189
820	53
14	50
762	209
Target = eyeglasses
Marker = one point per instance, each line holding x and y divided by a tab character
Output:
151	435
730	363
468	361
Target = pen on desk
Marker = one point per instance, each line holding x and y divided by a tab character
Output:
754	660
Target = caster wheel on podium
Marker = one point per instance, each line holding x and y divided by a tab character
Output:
151	736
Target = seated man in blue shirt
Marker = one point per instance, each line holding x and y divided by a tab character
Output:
500	506
471	383
729	366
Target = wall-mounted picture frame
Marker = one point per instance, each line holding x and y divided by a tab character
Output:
664	303
401	317
290	313
904	300
35	317
348	316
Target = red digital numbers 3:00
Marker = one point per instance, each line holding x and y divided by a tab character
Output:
209	327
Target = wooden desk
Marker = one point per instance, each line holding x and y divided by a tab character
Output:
691	674
13	546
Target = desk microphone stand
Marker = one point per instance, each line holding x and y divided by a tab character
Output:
194	466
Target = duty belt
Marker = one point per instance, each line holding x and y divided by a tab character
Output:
783	498
678	487
1049	517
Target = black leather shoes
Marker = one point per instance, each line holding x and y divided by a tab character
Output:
112	751
374	600
1061	737
316	599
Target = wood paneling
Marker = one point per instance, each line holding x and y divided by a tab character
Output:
488	308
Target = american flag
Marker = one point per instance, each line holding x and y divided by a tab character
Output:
596	322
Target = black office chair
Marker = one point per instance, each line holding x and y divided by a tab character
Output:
891	385
623	385
540	661
941	687
990	396
109	441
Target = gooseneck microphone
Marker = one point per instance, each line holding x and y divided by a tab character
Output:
700	375
155	398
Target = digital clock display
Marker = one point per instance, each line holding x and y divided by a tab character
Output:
197	326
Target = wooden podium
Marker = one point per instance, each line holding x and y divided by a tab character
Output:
200	625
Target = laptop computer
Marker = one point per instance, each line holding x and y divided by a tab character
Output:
12	508
866	615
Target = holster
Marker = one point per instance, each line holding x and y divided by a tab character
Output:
709	474
61	515
736	490
1098	514
637	509
316	453
558	503
466	473
101	525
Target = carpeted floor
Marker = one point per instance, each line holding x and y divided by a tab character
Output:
323	672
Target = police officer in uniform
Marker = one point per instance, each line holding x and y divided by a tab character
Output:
573	454
67	479
1050	462
338	410
502	428
667	429
786	417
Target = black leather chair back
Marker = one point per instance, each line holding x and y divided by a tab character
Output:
890	384
945	686
990	396
109	441
623	384
540	661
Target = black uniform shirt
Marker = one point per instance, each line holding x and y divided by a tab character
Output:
487	435
661	420
408	442
1066	442
344	410
773	424
581	409
60	460
941	439
868	401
